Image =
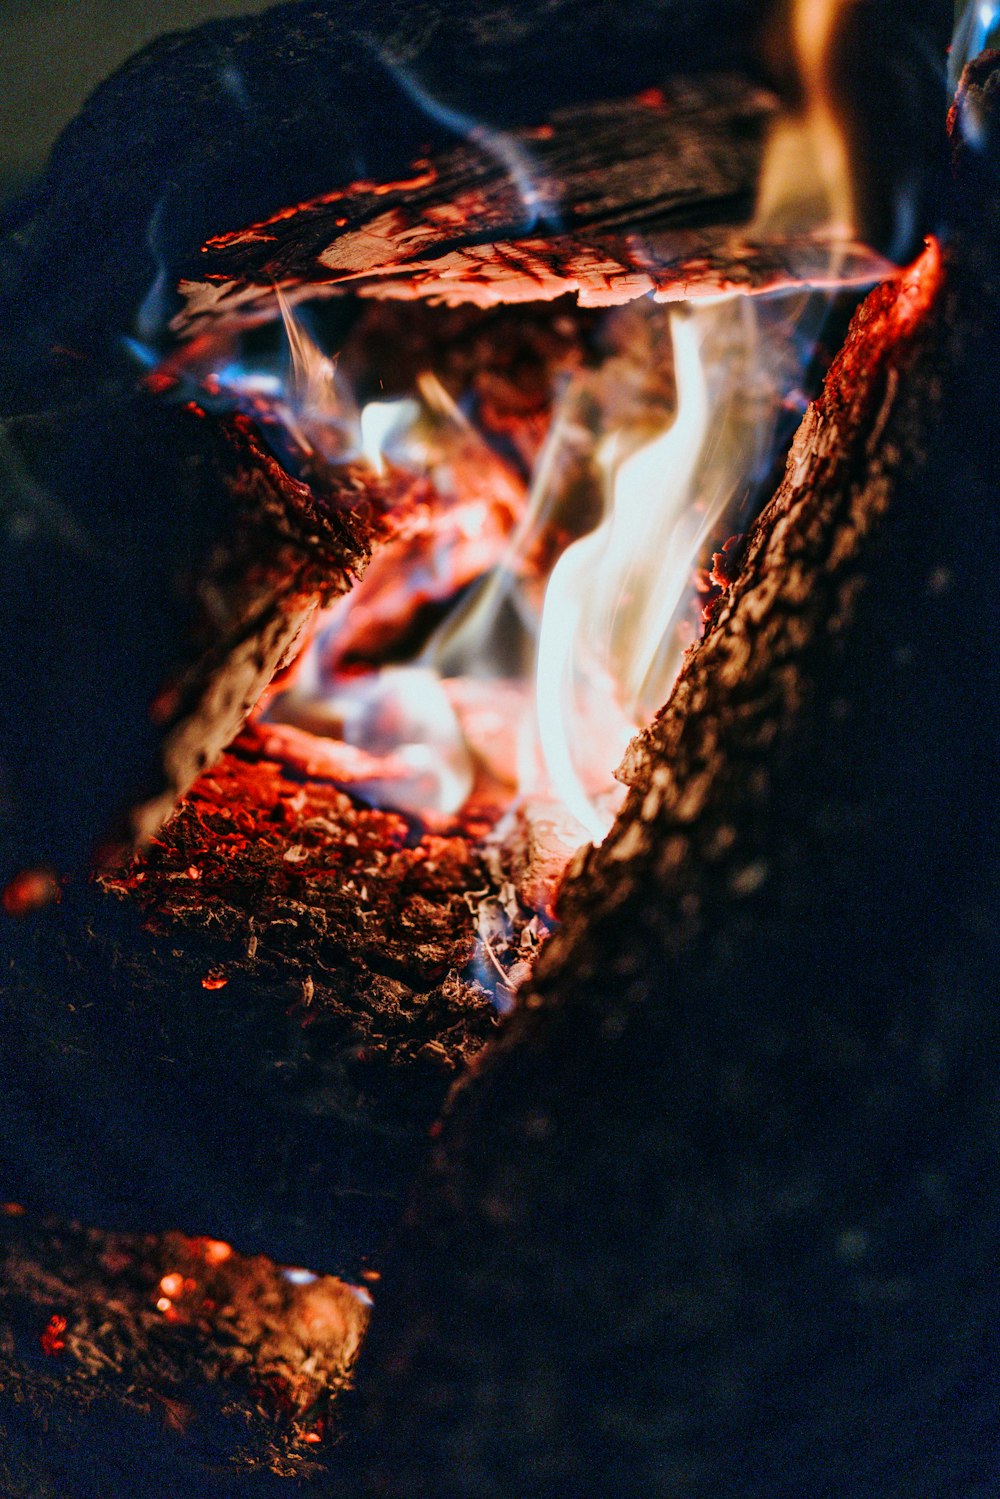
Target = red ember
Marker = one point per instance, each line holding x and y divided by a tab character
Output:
31	890
52	1339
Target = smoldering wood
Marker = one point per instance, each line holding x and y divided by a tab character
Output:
600	203
231	1378
681	162
208	133
145	991
715	1215
211	132
255	1023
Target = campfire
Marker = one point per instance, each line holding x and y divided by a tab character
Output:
470	811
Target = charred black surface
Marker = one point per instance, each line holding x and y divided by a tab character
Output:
209	132
283	1110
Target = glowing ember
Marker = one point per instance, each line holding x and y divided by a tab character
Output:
52	1339
31	890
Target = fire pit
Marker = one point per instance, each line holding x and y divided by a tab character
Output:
471	633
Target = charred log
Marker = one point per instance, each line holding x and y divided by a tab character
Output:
206	134
158	568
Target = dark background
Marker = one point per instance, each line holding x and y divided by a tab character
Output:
53	53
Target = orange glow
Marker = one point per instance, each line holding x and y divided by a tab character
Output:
425	176
173	1284
215	1252
31	890
52	1339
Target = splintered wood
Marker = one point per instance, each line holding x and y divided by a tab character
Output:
606	202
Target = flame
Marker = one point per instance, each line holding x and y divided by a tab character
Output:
318	413
580	581
618	614
976	22
645	457
613	593
379	421
402	717
806	175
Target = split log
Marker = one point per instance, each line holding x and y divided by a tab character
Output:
232	125
599	206
158	566
716	1215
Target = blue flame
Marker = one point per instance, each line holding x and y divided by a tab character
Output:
296	1277
155	305
510	153
235	85
974	28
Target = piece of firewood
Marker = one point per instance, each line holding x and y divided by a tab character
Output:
717	1213
158	566
206	134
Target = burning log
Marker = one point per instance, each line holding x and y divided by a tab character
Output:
175	1043
635	187
718	1208
450	233
206	134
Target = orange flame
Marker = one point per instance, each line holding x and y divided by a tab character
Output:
806	176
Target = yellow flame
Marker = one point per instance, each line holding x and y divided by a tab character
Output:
379	420
806	176
613	593
313	372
